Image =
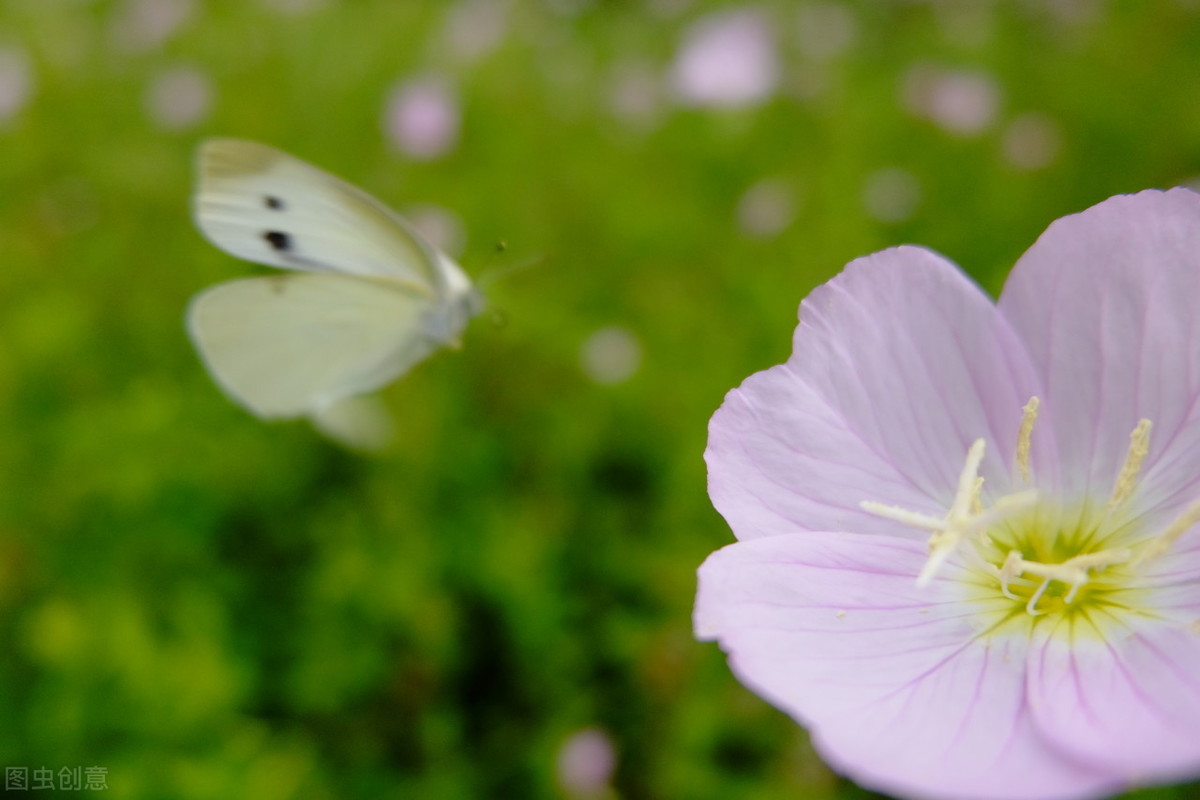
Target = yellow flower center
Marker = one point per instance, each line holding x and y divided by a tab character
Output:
1044	558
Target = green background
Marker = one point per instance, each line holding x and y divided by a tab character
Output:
211	607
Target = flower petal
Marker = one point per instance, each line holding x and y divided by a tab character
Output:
1126	697
900	363
900	690
1106	303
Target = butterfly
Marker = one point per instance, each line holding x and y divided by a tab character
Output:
364	299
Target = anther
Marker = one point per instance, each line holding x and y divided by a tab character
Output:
1139	446
966	482
1025	436
1162	543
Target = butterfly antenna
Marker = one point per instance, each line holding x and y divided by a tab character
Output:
490	274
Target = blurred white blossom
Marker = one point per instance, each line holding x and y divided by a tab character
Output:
767	207
179	98
892	195
148	24
825	30
1032	141
474	28
292	7
611	355
16	82
441	226
636	94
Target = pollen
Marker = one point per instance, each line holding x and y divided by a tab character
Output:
1025	438
1139	446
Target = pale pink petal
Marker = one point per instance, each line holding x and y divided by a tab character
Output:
1106	302
901	687
1126	696
899	364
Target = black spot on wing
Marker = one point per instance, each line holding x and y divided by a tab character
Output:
278	240
273	203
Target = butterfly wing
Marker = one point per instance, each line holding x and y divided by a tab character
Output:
291	345
263	205
360	422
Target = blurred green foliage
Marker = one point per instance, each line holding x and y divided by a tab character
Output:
212	607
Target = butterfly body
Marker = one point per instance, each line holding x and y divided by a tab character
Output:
364	299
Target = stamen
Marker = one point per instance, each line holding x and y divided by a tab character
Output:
1024	437
966	518
903	515
1003	508
1073	572
966	482
977	497
1031	606
1162	543
1009	571
941	545
1139	446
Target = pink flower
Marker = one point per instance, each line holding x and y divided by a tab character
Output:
968	558
423	118
728	59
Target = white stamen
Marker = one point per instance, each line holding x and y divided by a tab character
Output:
1008	571
966	482
1031	606
903	515
966	518
1025	436
1162	543
1003	508
1139	446
1073	572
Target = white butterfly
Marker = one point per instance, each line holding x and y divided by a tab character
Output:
368	299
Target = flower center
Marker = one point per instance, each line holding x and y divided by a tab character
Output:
1041	555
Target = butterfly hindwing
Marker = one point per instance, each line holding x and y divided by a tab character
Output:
287	345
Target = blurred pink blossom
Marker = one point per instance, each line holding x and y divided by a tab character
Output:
586	761
422	118
728	59
961	102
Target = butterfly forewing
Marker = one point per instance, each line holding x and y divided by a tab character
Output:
260	204
285	345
